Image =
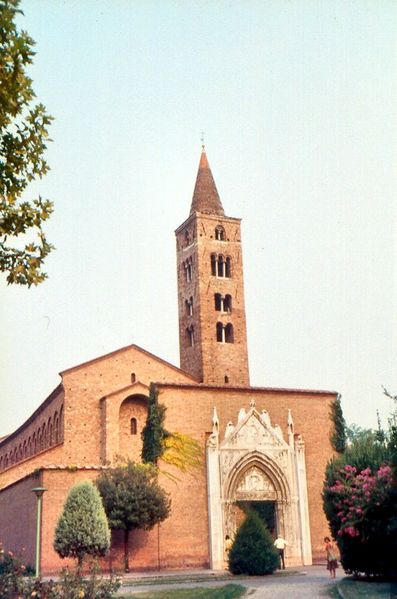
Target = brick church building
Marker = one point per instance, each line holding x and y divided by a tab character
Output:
264	447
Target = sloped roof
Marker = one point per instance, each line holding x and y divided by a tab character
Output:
205	196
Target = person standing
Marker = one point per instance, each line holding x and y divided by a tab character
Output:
332	562
280	544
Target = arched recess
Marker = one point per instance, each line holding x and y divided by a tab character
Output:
272	486
130	443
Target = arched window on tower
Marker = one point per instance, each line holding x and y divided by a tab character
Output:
218	302
188	270
213	265
189	306
228	267
190	336
133	426
220	233
220	332
221	266
229	338
227	303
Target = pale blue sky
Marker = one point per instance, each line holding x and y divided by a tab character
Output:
298	103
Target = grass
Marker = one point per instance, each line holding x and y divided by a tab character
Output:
359	589
229	591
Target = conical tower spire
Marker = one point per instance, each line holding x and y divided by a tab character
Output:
205	196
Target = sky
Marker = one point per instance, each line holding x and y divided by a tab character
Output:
297	101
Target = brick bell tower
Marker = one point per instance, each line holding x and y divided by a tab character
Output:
212	324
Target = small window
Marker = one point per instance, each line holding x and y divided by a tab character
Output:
220	233
229	338
219	332
213	265
228	267
227	303
133	377
226	379
133	426
190	336
187	238
221	266
218	302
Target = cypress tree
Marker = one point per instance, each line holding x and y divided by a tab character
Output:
253	551
154	433
338	438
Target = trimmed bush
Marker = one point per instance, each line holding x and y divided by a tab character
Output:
82	528
253	551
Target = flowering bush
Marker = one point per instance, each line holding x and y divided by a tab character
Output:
15	585
356	495
360	511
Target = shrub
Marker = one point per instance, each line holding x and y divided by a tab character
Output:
253	551
82	528
360	507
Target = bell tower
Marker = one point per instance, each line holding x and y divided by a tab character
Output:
212	324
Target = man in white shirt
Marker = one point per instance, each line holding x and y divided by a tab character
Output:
280	544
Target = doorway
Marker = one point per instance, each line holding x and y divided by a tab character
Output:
266	510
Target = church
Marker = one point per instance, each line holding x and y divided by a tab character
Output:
262	447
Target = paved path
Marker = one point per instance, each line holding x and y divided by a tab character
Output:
311	582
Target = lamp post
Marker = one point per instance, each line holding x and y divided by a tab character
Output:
38	491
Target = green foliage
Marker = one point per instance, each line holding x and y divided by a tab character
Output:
174	449
154	433
82	528
360	506
133	499
23	138
71	585
338	438
253	551
229	591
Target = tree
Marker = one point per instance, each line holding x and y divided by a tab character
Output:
359	505
82	528
338	438
253	551
154	433
23	138
133	499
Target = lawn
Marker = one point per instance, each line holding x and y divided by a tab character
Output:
358	589
229	591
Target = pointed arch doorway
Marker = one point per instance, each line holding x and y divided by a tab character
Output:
253	465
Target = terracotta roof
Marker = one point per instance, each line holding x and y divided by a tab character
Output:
205	196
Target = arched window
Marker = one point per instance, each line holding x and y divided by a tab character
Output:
56	427
221	266
189	306
133	426
226	378
133	377
219	332
213	265
228	267
220	233
61	423
188	270
229	333
190	336
227	303
218	302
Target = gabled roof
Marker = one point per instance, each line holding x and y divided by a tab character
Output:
205	196
124	349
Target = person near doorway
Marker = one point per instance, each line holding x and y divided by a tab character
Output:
280	544
332	562
228	544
